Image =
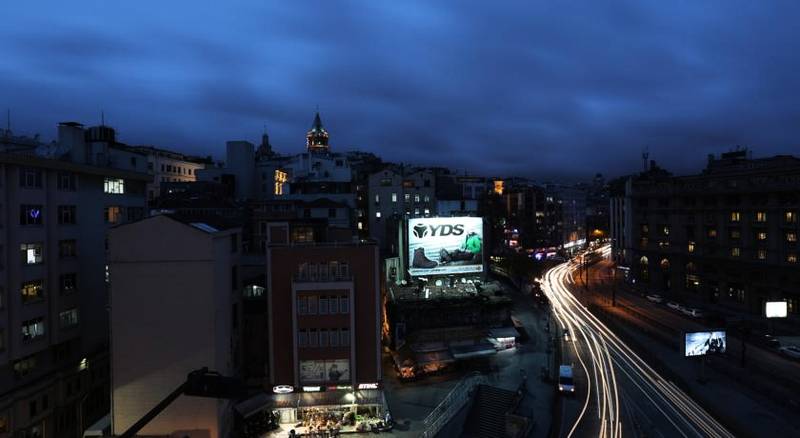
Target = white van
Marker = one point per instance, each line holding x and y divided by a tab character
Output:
565	380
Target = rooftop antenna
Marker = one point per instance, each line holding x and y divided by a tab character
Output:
645	156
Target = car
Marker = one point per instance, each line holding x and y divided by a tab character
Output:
656	298
674	305
791	351
566	382
694	312
770	342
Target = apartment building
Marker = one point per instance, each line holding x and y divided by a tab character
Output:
54	213
175	308
168	166
727	236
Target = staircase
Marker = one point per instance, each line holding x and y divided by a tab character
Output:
487	418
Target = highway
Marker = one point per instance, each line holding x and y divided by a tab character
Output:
618	393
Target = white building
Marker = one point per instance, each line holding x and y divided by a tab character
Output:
397	193
174	309
168	166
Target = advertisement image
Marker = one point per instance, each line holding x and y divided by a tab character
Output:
445	245
329	371
776	309
703	343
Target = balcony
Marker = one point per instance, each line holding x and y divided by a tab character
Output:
306	278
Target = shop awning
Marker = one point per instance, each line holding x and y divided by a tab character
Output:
472	351
503	332
323	398
253	404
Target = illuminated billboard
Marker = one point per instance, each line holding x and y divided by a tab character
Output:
703	343
333	371
776	309
445	245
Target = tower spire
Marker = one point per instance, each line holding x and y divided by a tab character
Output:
317	136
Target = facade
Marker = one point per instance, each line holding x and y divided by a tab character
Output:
397	193
324	304
53	293
163	267
616	217
572	200
727	236
167	166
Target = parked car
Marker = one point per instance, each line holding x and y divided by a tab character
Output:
656	298
674	305
694	312
566	382
770	341
791	351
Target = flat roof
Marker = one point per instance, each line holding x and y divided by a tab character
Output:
50	163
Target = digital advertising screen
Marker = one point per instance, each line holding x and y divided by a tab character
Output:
445	245
703	343
776	309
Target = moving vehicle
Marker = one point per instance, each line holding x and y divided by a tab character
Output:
656	298
566	383
694	312
674	305
791	351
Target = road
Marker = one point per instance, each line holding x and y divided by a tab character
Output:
618	393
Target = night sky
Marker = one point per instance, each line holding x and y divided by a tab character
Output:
555	90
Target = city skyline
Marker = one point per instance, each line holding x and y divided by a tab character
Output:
576	91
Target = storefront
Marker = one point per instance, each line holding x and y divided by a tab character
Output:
503	337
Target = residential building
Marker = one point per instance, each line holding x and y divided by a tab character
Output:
57	204
168	166
727	236
175	308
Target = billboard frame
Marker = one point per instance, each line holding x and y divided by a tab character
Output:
713	330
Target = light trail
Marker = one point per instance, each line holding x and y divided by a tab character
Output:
610	356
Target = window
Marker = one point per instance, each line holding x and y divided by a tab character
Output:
323	305
377	199
234	278
427	198
66	181
736	252
24	366
344	304
334	338
302	234
416	212
344	337
416	198
791	257
302	339
791	236
114	185
645	228
302	305
790	217
30	178
32	291
761	235
32	253
313	338
30	214
66	214
333	305
712	233
407	197
735	233
735	216
32	329
323	338
344	270
394	197
427	212
762	254
378	214
112	214
68	318
331	212
761	216
312	305
386	182
67	248
69	282
691	247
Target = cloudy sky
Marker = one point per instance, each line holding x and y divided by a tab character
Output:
542	89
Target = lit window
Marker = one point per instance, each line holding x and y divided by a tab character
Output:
360	226
30	214
736	252
427	198
281	178
735	216
762	254
377	199
68	318
427	211
735	234
761	216
112	214
791	258
416	212
377	214
394	197
32	329
407	197
665	230
712	233
32	291
691	247
791	217
416	198
791	237
32	253
762	235
114	185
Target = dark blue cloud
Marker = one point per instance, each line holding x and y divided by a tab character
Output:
545	90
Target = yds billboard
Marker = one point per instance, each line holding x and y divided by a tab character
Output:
702	343
445	245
